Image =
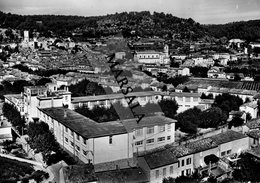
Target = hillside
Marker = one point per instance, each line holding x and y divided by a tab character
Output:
249	30
133	23
143	24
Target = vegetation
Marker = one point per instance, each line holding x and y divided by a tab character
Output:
175	81
86	87
40	72
227	102
41	139
199	71
247	169
14	116
12	171
191	119
118	111
236	121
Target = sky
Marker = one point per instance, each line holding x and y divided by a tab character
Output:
202	11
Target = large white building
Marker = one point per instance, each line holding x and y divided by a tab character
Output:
153	57
87	140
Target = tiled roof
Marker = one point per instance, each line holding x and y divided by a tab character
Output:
253	124
169	154
254	133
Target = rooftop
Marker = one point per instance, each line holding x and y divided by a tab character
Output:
254	133
253	124
83	125
170	154
91	129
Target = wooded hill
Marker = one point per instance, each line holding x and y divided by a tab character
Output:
143	24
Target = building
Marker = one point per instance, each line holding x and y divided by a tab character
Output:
153	57
251	108
43	97
174	161
216	72
107	100
87	140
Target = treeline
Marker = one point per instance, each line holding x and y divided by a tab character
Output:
41	72
249	30
142	23
86	87
14	116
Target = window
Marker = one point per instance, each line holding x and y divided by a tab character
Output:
188	161
223	153
138	143
160	139
66	129
180	99
78	148
195	99
66	98
171	169
169	127
150	130
66	139
71	143
187	99
110	140
182	172
168	137
85	153
188	171
157	173
178	164
71	132
149	141
77	136
182	162
229	151
138	132
187	105
84	141
164	171
162	128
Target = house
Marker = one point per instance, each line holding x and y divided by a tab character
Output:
6	133
251	108
174	161
216	72
16	100
87	140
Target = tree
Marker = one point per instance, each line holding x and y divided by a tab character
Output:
43	81
14	116
204	96
236	121
186	89
188	121
169	107
42	139
227	102
212	118
212	158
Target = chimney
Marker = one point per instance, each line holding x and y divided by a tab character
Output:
65	113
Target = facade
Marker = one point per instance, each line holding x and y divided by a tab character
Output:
180	160
43	97
251	108
87	140
153	57
107	100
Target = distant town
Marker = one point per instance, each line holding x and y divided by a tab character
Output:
118	103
